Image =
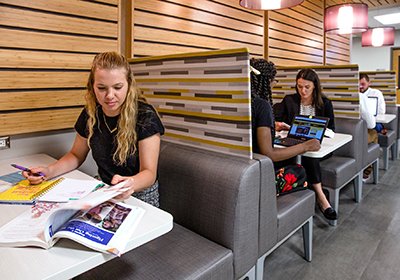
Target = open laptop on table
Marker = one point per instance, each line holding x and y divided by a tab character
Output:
372	103
304	128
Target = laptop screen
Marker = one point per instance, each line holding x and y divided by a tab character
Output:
305	127
372	103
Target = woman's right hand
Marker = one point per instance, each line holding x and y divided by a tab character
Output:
34	179
312	145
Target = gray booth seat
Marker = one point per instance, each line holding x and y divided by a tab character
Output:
214	200
389	141
345	165
281	217
371	156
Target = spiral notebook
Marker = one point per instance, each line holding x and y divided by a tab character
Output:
24	193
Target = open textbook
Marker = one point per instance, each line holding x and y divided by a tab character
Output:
94	221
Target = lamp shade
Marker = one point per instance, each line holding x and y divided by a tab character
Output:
346	18
269	4
378	37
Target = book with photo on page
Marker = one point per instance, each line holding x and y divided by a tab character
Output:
95	221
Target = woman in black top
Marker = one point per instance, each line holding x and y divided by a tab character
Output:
309	100
120	128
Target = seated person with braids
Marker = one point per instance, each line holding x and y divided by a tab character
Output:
263	130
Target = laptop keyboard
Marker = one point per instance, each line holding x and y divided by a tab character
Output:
290	141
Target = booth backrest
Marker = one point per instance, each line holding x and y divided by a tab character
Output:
214	195
203	98
385	81
339	83
357	147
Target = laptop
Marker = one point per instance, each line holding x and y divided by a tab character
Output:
372	104
304	128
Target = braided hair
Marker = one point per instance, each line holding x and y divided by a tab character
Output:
261	84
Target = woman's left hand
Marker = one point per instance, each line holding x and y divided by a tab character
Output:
129	183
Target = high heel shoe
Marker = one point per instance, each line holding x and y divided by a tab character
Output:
329	213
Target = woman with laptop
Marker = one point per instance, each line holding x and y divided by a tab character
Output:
310	101
263	122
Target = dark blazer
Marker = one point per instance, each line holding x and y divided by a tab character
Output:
290	106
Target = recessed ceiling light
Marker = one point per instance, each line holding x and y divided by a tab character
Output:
389	18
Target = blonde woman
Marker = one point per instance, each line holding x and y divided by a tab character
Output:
120	127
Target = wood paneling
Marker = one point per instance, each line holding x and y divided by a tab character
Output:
296	35
46	49
187	26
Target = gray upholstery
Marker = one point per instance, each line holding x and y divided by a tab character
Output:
214	195
293	210
214	199
179	254
371	156
281	216
389	141
345	164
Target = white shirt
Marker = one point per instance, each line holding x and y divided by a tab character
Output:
371	92
366	114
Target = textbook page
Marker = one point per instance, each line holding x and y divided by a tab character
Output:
36	226
70	189
106	228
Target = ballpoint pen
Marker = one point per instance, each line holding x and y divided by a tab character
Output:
26	169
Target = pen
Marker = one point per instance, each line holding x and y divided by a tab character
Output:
26	169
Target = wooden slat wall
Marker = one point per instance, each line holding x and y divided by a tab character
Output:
296	35
385	81
338	83
179	26
46	48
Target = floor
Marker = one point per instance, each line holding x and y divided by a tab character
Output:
364	245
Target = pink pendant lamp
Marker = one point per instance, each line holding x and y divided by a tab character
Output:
378	37
269	4
347	18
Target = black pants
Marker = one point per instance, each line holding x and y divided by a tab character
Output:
313	168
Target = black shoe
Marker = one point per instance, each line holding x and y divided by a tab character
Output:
329	213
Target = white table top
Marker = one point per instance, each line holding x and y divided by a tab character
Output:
328	145
67	258
385	118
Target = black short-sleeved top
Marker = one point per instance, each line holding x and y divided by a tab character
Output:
261	116
103	142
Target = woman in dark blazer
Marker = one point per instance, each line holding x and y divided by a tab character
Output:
309	100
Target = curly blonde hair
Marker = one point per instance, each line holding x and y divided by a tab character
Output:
126	135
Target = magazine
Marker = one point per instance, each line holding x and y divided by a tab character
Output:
94	221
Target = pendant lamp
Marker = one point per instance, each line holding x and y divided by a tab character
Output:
269	4
347	18
378	37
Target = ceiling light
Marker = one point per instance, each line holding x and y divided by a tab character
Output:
269	4
389	18
346	18
378	37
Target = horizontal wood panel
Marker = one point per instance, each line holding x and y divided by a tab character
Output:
148	19
21	100
46	60
288	62
190	14
255	17
279	28
295	56
72	7
42	79
44	41
171	37
28	122
43	21
337	56
300	46
293	38
295	23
